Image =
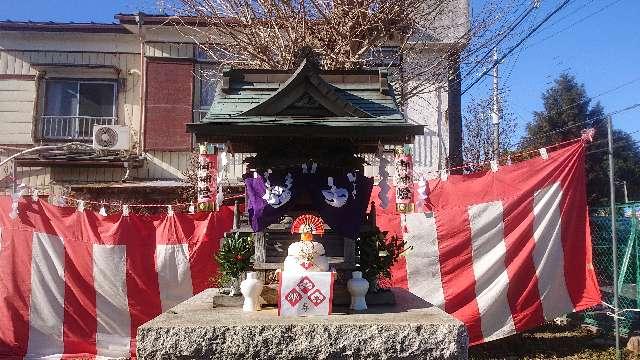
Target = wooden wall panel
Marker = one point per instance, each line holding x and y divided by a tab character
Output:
17	97
34	177
168	50
170	165
21	63
164	165
16	111
72	175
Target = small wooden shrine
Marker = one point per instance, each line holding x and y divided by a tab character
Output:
308	129
257	108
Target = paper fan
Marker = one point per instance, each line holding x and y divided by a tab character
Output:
308	224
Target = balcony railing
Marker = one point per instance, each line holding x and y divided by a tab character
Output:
72	127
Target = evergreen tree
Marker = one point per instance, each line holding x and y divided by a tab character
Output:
567	111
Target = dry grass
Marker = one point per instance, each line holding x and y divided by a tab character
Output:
551	342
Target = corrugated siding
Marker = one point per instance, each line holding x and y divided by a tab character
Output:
38	178
35	177
20	63
165	165
169	50
75	175
17	97
16	111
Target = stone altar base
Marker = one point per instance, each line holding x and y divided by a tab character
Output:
194	329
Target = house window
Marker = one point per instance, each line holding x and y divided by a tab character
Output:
204	55
73	107
213	55
207	79
386	56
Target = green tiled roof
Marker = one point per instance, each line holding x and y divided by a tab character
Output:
355	99
254	105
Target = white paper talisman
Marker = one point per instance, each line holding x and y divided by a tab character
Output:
305	293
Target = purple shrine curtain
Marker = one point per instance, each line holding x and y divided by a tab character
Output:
341	199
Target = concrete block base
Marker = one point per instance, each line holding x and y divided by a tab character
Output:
412	329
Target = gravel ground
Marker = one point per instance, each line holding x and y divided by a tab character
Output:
552	342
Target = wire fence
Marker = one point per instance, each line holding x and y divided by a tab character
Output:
628	235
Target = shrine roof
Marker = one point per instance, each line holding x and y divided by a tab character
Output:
308	101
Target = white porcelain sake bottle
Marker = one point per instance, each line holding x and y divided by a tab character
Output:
358	288
251	288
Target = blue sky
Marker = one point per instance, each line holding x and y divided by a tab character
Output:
596	40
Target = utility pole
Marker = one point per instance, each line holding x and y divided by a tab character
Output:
495	113
614	240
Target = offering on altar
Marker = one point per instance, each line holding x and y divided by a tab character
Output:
305	294
306	254
306	285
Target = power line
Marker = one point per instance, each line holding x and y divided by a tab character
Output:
575	11
558	21
608	91
616	136
598	95
531	32
476	62
617	87
633	132
517	57
517	22
601	117
575	23
615	145
475	31
479	47
479	31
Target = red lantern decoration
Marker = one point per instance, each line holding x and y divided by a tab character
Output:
404	179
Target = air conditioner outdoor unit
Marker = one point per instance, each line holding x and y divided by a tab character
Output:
111	137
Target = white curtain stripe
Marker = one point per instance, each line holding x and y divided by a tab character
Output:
423	260
492	280
112	306
548	254
46	312
174	274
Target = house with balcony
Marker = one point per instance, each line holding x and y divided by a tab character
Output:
60	80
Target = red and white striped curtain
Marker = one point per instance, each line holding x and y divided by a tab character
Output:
502	251
80	284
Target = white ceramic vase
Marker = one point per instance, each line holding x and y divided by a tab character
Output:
358	288
251	288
